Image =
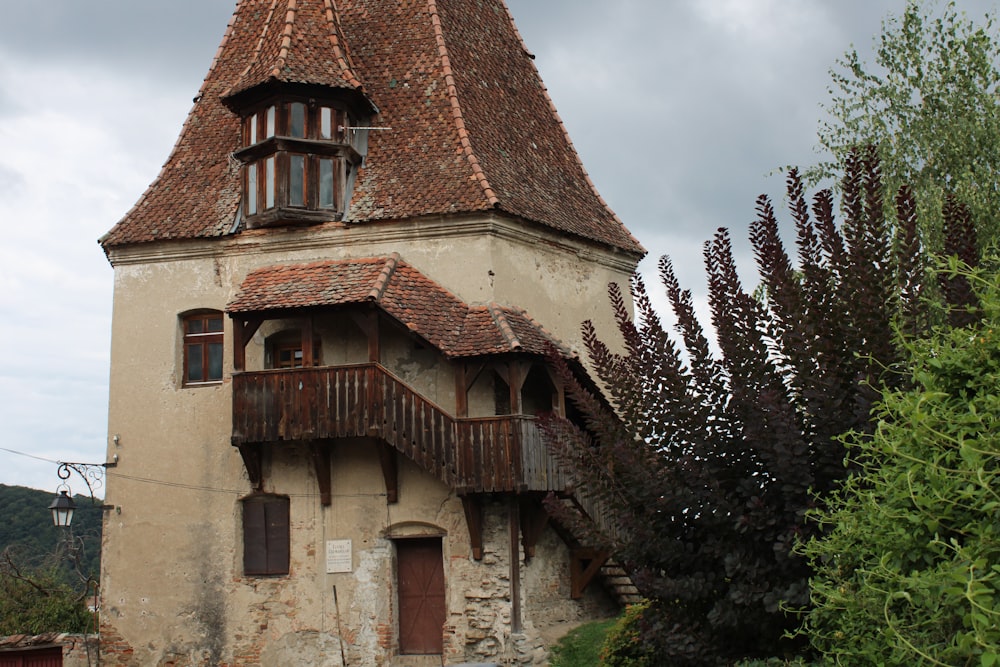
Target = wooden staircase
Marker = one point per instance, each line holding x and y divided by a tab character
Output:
618	583
588	563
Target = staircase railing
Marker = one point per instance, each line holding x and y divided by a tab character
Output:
472	455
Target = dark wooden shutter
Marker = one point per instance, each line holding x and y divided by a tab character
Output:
278	529
422	609
254	538
265	535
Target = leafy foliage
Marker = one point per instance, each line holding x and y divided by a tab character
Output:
39	601
710	462
623	646
908	569
931	104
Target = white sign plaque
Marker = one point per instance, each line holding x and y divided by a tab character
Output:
338	556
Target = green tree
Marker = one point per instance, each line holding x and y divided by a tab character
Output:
709	462
907	571
931	104
38	600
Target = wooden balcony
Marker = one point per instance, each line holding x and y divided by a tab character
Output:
475	455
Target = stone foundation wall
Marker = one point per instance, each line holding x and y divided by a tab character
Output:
481	604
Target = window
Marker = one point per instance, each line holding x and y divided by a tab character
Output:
266	541
297	159
202	348
286	354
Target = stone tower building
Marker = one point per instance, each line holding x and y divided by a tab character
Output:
330	318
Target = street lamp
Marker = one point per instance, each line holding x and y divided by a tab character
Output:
62	509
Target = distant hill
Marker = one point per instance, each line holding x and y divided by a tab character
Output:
26	528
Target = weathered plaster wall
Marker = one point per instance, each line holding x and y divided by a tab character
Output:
559	280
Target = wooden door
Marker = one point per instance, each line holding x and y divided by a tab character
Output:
420	568
46	657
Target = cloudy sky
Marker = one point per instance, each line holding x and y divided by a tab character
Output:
680	110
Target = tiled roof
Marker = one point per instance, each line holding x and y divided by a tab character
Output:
11	642
417	302
304	45
472	126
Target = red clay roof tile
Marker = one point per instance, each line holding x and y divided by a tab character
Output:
408	296
473	128
301	44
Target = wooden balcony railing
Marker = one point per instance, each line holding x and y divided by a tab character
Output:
478	455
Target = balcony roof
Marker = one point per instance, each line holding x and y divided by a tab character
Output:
401	291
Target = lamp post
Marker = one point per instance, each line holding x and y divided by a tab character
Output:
62	508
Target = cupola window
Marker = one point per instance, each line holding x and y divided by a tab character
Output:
298	162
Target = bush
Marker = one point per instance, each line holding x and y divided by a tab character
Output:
625	644
908	571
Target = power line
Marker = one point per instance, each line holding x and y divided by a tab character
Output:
182	485
30	456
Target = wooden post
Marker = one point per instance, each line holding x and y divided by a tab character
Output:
239	345
515	381
243	331
461	391
307	342
374	338
559	393
515	566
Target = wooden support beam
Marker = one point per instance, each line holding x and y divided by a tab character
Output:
368	322
534	519
239	345
584	564
252	461
465	376
515	381
559	397
243	331
374	338
461	391
320	453
472	372
390	471
473	506
307	342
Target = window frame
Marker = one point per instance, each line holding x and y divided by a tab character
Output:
203	339
270	149
293	347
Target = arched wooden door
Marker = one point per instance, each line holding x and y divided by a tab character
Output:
422	613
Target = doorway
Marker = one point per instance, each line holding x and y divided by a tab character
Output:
422	612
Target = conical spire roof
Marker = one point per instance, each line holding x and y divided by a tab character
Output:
472	126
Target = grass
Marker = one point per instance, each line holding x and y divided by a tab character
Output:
581	647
